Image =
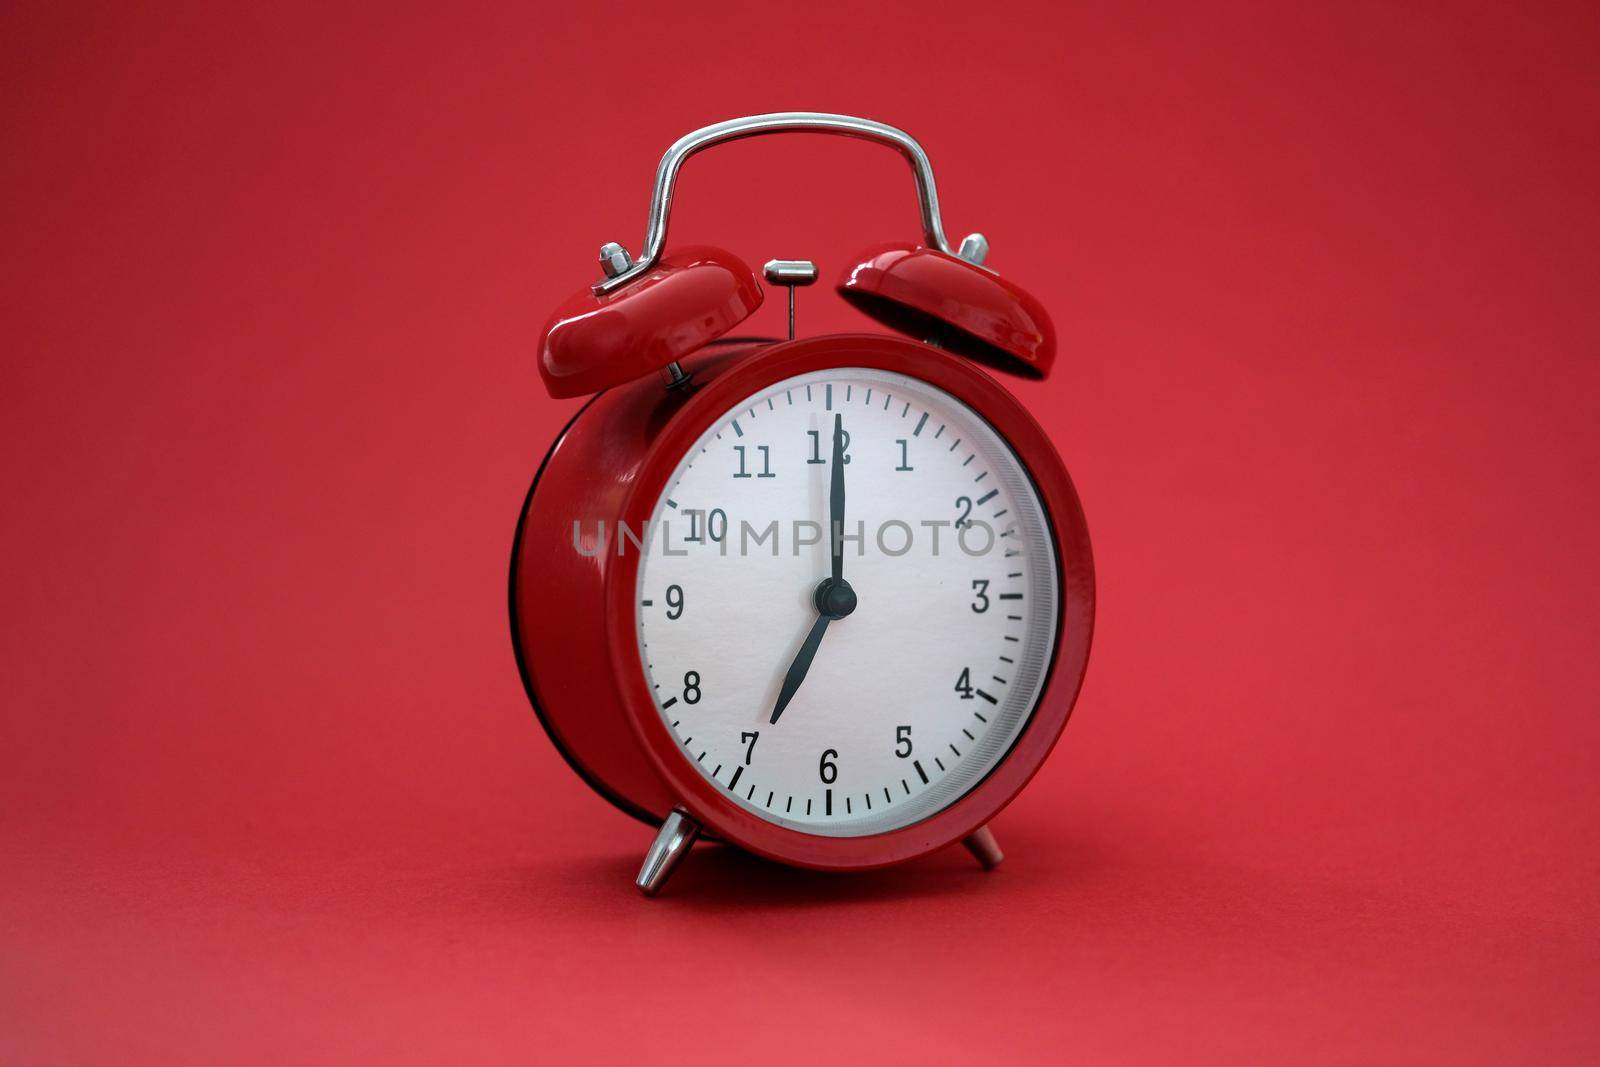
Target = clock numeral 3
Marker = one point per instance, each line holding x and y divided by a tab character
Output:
980	601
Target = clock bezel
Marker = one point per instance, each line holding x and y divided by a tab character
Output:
701	798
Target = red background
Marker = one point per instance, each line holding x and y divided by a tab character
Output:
1325	287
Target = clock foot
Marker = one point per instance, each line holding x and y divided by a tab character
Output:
666	852
981	843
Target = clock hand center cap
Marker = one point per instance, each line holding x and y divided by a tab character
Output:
835	599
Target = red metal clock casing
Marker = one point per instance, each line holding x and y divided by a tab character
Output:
573	614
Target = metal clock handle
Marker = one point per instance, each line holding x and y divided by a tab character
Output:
621	268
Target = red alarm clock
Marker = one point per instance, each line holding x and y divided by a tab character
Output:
828	599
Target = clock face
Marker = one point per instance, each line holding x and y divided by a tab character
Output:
895	690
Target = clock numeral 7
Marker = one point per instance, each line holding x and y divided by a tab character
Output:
748	740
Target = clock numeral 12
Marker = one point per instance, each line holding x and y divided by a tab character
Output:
816	446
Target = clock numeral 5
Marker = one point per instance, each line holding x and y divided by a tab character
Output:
902	741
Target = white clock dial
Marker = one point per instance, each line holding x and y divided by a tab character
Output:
916	694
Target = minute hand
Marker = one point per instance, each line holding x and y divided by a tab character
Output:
836	500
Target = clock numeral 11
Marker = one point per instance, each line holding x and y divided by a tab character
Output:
766	463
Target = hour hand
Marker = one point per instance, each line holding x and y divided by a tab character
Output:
801	664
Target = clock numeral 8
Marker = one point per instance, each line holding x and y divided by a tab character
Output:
691	687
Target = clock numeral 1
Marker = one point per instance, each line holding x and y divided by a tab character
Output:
905	460
766	463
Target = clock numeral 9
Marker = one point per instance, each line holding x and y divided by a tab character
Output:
766	463
902	741
674	601
716	525
691	687
816	446
980	596
828	769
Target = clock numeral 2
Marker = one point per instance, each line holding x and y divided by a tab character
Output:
766	463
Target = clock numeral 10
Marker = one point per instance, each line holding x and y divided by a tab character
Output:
716	525
766	463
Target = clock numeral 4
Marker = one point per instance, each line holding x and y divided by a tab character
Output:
964	683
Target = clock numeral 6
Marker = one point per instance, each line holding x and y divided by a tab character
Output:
691	687
980	601
828	769
902	741
674	601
